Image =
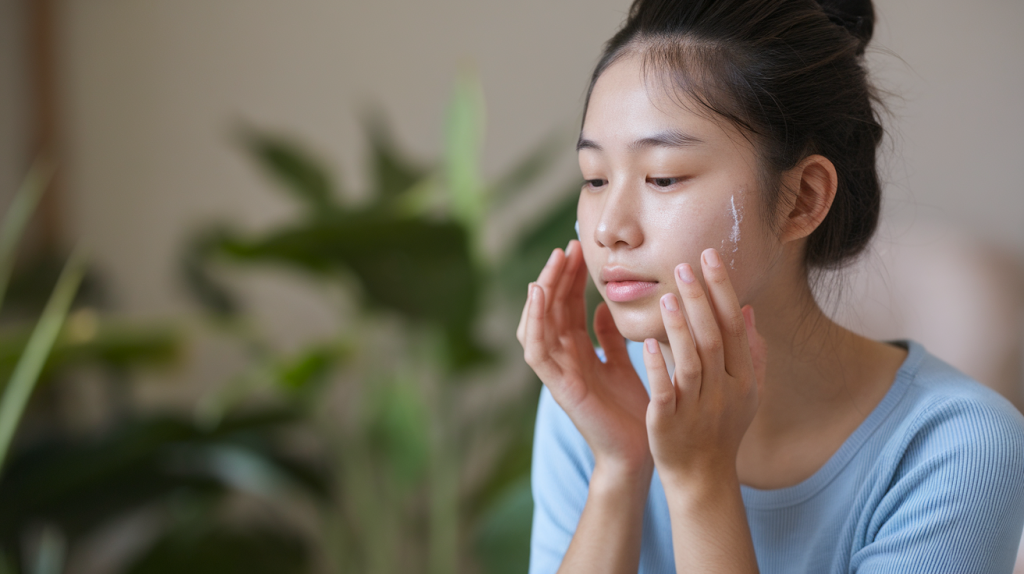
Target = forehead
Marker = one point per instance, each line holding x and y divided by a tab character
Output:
631	101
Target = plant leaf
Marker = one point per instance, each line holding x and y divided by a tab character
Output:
207	291
464	131
26	372
217	549
503	537
111	346
394	173
421	269
288	163
398	430
80	485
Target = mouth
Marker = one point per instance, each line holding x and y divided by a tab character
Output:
622	285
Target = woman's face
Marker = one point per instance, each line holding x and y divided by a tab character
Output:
663	184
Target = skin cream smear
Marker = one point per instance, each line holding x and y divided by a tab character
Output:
734	233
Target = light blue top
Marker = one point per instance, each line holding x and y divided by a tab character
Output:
931	482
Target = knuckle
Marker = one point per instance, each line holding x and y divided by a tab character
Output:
713	343
663	399
694	292
533	356
718	276
688	372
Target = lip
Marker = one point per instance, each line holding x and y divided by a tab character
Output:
622	285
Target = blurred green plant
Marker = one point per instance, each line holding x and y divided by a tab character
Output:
409	474
415	251
29	365
55	487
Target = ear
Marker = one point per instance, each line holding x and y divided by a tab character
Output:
812	184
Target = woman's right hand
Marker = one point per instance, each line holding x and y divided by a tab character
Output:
606	401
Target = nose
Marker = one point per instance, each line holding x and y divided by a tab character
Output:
619	225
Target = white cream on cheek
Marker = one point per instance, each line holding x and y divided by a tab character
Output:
734	234
734	212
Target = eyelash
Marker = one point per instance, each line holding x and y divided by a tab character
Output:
671	181
597	183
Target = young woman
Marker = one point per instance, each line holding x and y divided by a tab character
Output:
728	148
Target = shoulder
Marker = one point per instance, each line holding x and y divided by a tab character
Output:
949	411
952	494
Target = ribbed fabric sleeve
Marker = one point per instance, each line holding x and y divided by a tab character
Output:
562	464
931	482
954	503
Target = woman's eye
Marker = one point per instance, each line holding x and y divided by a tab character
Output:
595	182
665	181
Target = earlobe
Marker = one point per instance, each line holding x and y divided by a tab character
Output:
813	183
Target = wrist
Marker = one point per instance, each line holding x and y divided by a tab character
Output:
692	489
621	477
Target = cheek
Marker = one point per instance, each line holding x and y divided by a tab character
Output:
679	233
725	222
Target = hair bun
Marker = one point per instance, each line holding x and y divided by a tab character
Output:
857	16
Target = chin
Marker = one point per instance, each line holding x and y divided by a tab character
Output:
638	322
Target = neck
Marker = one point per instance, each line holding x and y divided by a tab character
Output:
808	354
821	382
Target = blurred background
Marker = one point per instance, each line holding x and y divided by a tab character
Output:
287	343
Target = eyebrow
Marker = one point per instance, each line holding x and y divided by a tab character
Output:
670	138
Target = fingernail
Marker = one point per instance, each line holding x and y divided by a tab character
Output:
652	346
669	301
569	248
531	291
685	273
711	258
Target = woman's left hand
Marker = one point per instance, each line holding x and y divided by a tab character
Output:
696	419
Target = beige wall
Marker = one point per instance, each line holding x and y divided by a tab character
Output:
152	90
959	126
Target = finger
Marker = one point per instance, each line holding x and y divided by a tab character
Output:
551	272
521	328
731	323
568	275
663	393
684	352
707	338
535	350
561	297
576	304
609	337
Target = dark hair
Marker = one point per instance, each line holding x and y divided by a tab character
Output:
789	74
